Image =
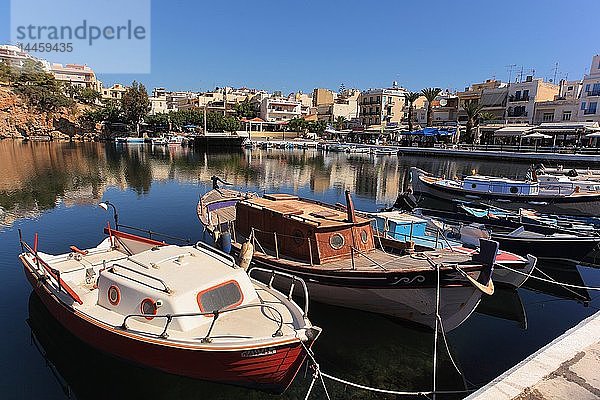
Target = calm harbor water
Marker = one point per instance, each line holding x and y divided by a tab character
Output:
53	189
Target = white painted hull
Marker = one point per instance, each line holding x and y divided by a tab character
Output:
415	305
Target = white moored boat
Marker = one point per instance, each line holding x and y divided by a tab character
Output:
186	310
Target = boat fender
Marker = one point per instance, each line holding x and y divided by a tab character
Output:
225	242
246	255
577	189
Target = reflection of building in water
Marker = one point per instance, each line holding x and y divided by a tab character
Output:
38	176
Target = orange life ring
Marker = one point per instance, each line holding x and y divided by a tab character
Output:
148	302
114	295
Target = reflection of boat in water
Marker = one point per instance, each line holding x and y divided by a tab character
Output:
504	304
130	140
157	305
334	251
560	271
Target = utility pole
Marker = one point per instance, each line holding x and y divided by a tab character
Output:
521	74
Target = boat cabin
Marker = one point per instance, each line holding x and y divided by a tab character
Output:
487	184
164	280
303	230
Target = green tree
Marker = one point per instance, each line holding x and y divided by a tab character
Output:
245	109
297	125
487	116
430	94
317	126
7	74
135	105
410	98
472	109
88	96
340	123
40	88
158	122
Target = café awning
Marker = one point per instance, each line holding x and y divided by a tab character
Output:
513	131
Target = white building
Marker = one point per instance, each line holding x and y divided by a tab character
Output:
76	74
590	95
158	101
279	109
15	57
382	106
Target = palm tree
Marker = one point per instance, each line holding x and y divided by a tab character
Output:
472	109
340	122
410	98
430	94
487	116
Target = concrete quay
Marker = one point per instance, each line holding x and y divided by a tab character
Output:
586	159
567	368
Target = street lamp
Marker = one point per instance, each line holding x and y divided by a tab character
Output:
104	205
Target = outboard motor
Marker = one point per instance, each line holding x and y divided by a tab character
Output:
406	201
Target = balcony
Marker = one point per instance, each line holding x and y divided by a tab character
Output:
593	93
513	99
589	112
516	114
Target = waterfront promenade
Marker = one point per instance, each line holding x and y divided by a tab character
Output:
567	368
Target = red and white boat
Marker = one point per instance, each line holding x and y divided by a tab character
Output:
185	310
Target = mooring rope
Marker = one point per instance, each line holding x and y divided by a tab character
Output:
567	285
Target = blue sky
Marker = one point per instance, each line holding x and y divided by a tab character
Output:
298	45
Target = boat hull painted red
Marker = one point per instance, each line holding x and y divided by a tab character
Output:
271	368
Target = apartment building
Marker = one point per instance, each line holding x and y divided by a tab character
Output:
381	106
491	95
563	108
279	109
158	101
522	97
444	110
115	92
15	57
588	110
76	74
344	105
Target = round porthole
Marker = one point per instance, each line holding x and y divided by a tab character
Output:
148	306
364	237
336	241
473	185
298	237
514	189
114	295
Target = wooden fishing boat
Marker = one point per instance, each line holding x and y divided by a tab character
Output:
401	230
334	251
509	193
185	310
514	235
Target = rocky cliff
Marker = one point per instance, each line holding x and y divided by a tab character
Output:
19	120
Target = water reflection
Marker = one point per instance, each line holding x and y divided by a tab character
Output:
38	176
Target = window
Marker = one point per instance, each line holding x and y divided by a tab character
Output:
364	237
569	87
548	117
517	95
220	297
592	108
587	87
582	105
336	241
525	94
566	116
371	99
596	89
378	99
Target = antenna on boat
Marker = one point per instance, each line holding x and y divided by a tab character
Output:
104	205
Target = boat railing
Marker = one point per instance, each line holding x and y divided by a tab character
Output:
293	279
214	314
46	269
164	288
152	233
216	253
